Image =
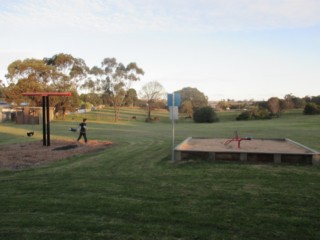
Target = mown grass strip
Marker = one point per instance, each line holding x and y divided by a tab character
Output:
133	191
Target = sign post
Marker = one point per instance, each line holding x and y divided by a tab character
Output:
172	119
174	100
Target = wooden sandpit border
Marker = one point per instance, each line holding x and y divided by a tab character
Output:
257	150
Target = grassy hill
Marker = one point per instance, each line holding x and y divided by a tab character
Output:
133	191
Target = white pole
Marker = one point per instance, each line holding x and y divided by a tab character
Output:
172	119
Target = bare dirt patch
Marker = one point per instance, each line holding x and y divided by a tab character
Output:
21	155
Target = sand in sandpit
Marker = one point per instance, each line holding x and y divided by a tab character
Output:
253	145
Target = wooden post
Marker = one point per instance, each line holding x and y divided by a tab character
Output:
44	129
316	159
243	157
48	120
277	158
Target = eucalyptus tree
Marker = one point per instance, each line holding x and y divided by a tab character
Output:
131	97
61	72
72	73
2	88
29	75
94	80
114	79
152	92
193	95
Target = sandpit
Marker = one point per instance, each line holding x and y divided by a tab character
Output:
22	155
250	150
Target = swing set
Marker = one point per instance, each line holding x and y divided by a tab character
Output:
31	133
45	112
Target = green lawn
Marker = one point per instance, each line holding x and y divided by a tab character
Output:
134	191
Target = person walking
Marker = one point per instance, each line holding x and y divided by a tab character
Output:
83	130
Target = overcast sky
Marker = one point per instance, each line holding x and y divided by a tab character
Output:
228	49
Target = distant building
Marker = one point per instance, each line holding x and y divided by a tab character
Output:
31	115
5	111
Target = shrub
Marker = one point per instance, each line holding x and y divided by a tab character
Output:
244	116
311	108
264	114
254	114
205	115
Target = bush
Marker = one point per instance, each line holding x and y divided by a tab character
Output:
311	109
244	116
205	115
254	114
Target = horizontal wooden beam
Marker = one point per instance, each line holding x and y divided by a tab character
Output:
45	94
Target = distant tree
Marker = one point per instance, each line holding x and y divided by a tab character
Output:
105	97
254	114
93	98
283	105
298	102
274	105
95	80
311	108
34	75
187	108
73	71
2	88
314	99
264	104
131	97
67	104
205	115
223	105
197	98
245	115
74	101
113	80
29	75
287	102
152	92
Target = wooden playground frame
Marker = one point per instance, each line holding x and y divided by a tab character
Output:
45	111
282	151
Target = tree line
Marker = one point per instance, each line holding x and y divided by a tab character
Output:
107	84
274	106
65	73
110	84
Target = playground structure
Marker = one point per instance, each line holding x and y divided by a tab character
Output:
45	112
236	138
257	150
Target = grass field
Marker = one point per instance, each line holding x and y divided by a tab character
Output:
133	191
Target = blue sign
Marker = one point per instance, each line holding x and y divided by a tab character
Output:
177	99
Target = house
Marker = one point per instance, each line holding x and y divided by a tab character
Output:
31	115
5	111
